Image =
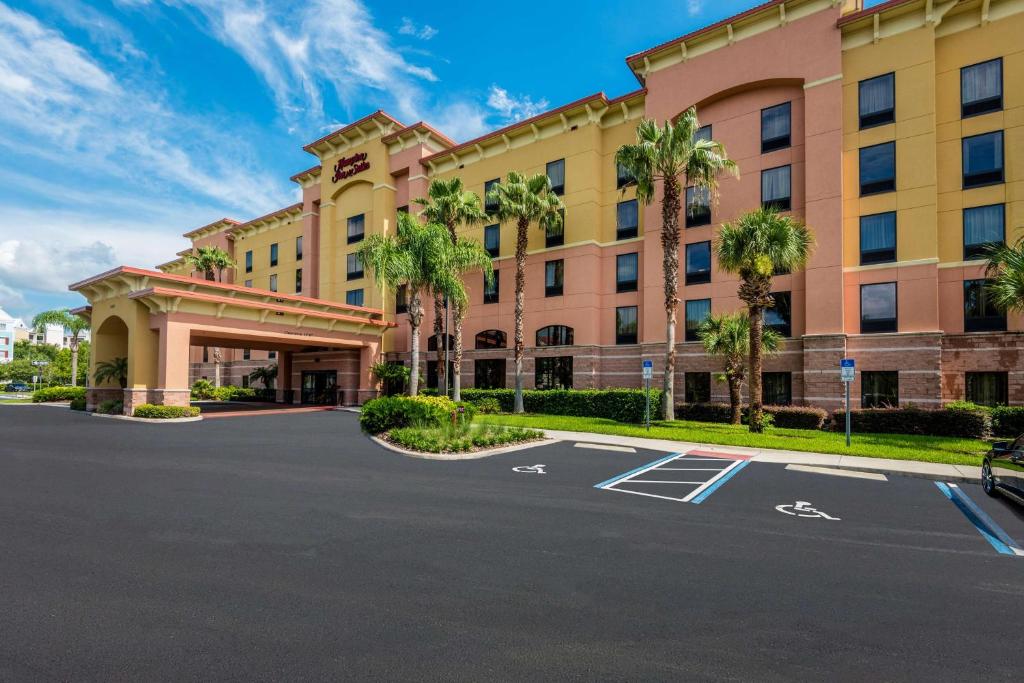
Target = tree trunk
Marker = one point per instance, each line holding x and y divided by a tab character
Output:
216	367
756	328
735	399
457	315
415	319
521	227
442	347
670	269
74	361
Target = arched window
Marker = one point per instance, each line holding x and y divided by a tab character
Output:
554	335
432	342
491	339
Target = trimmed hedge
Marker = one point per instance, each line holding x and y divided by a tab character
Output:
78	403
969	424
111	407
154	412
621	405
1007	421
52	394
391	412
787	417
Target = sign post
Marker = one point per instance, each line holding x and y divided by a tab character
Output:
36	379
648	370
847	369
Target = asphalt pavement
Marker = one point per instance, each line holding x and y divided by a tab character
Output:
289	546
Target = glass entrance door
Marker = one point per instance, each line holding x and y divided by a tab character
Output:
320	387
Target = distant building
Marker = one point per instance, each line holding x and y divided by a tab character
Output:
54	335
8	331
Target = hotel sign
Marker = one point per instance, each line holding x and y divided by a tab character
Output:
349	166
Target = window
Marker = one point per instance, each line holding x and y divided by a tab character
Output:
491	339
206	354
490	205
554	276
492	239
248	261
245	381
272	355
878	168
777	388
246	354
878	308
298	248
402	209
775	127
356	228
354	297
433	381
556	174
554	234
879	389
878	238
402	299
622	176
353	266
776	188
555	335
986	388
626	271
981	88
696	312
489	373
298	280
432	342
983	159
780	316
492	289
877	101
984	227
698	206
627	219
273	254
553	373
703	133
698	263
697	387
273	283
248	283
625	325
980	314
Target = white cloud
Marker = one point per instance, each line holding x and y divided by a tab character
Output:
408	28
694	7
514	107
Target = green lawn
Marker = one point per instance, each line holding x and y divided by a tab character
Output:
15	400
898	446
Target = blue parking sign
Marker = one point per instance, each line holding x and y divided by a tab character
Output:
846	369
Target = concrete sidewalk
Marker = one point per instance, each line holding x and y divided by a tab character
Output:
909	468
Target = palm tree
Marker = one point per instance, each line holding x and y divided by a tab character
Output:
114	370
74	324
1005	271
448	203
669	154
728	336
415	256
266	375
525	200
755	247
209	259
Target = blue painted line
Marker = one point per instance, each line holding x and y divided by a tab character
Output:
985	525
620	477
714	487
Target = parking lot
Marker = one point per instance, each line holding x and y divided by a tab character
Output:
290	546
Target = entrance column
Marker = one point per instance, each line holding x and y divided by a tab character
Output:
367	382
172	365
284	377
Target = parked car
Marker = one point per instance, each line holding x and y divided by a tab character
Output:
17	386
1002	471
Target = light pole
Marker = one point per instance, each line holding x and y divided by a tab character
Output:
447	349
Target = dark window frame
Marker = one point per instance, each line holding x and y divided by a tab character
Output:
555	289
564	333
488	368
868	257
273	255
877	375
298	280
1002	387
877	186
696	214
354	274
690	392
979	250
787	390
490	206
882	325
627	337
985	106
556	189
785	328
492	291
698	277
272	282
401	299
357	237
780	203
248	261
692	334
982	323
627	285
780	141
353	292
555	368
298	248
622	176
884	116
482	340
493	228
627	232
983	179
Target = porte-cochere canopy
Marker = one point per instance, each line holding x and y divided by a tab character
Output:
151	318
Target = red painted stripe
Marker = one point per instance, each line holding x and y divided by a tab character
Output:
719	454
276	411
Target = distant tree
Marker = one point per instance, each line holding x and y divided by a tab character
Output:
209	260
73	324
728	337
266	375
114	370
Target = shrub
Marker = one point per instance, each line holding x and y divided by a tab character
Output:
488	405
969	424
704	412
621	405
1007	421
154	412
111	407
203	389
52	394
231	393
797	417
391	412
459	438
963	405
78	403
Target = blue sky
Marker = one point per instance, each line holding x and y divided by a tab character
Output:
124	123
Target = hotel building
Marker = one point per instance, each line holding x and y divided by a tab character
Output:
895	132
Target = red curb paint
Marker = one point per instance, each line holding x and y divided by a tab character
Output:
253	413
719	454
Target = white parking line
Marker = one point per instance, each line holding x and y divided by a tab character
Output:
670	463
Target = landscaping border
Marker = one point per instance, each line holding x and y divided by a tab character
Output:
150	420
469	455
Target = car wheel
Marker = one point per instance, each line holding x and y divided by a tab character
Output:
988	482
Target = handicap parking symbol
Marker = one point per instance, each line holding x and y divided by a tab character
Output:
530	469
803	509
